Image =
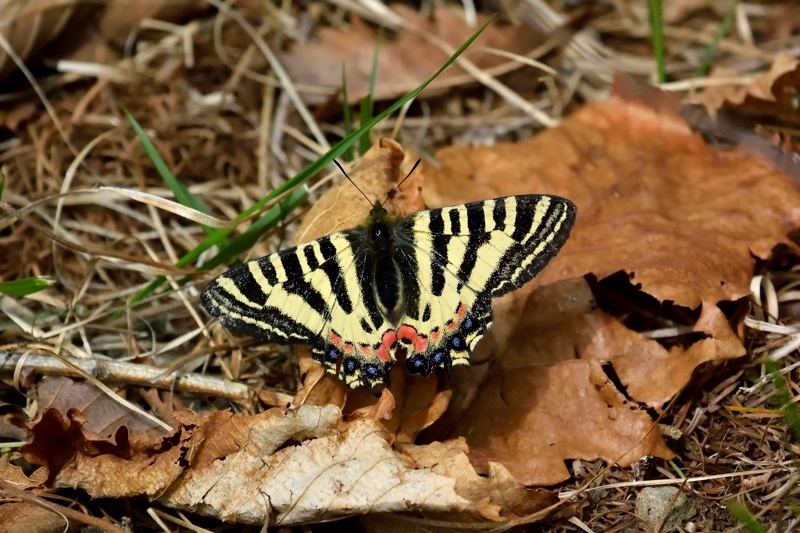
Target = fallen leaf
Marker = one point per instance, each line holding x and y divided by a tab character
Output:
121	17
681	221
279	468
102	414
501	494
30	25
60	443
11	473
20	517
771	94
406	58
549	399
654	200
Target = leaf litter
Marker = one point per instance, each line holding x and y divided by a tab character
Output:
598	362
633	186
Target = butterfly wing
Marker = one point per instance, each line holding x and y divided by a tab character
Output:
460	258
312	294
452	261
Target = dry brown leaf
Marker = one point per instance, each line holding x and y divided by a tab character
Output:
59	442
655	202
406	59
767	95
13	474
102	414
500	494
30	25
121	17
21	516
24	517
278	467
532	417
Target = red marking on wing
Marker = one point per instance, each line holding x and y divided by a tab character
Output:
365	349
348	347
422	344
451	325
387	341
407	333
389	338
336	339
462	310
436	335
383	353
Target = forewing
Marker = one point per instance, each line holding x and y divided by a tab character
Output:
313	294
465	256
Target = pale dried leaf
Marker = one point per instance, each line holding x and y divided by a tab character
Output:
24	517
290	467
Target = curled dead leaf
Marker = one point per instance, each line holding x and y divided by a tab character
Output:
772	93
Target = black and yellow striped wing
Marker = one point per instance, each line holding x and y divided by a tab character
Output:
420	284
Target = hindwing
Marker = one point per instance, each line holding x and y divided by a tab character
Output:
467	255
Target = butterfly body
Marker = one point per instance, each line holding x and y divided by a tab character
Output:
421	284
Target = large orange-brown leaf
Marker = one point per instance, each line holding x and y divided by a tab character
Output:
406	59
654	202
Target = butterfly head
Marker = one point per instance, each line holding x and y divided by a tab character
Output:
378	226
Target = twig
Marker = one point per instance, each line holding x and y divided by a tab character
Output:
143	375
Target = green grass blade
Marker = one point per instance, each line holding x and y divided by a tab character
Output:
656	14
367	102
2	183
247	239
741	513
349	155
312	169
720	33
26	286
180	191
365	114
242	243
787	407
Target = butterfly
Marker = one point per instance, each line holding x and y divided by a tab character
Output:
421	284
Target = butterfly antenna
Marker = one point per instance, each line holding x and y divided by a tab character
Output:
353	182
402	182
